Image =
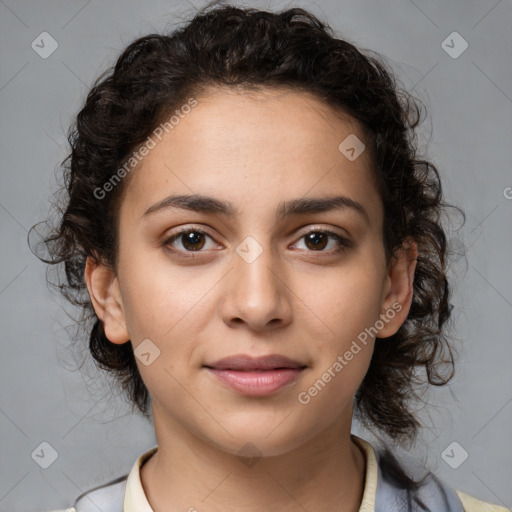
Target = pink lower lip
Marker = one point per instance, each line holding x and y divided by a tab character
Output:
257	383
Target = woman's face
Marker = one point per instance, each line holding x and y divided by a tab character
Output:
253	275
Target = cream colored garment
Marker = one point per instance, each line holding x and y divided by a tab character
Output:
135	499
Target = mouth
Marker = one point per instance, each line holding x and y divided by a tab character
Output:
260	376
244	362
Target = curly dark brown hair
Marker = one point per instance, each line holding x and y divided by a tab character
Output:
250	48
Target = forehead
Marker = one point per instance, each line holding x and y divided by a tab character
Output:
253	148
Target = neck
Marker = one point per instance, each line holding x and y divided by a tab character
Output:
187	473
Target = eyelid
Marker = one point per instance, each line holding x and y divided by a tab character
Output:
328	229
307	229
343	240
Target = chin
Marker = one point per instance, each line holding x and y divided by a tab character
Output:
257	446
261	437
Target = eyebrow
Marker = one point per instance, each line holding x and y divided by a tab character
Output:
206	204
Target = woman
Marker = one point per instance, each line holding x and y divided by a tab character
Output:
261	255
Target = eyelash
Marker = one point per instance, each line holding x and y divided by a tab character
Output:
343	242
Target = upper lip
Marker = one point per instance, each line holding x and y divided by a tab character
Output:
245	362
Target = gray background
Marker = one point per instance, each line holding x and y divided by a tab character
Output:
45	397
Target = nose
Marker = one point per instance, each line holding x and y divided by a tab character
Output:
256	293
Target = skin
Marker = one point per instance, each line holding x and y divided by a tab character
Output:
256	150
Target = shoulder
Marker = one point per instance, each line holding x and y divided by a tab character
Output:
403	483
471	504
70	509
108	497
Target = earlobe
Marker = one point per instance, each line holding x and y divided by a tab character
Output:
399	295
103	288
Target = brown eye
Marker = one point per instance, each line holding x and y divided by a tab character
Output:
192	240
318	240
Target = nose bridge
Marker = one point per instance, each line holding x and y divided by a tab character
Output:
255	267
256	293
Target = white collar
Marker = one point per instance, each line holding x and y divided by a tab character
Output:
135	499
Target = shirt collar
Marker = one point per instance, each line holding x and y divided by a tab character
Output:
135	499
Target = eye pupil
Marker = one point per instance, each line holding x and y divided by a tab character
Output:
310	238
192	237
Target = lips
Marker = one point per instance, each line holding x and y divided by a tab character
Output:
247	363
260	376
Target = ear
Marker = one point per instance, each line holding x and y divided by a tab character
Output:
398	290
106	299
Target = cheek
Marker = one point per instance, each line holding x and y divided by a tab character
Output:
158	298
346	309
342	356
345	303
170	307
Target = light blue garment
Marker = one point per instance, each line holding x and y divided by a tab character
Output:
107	498
432	495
